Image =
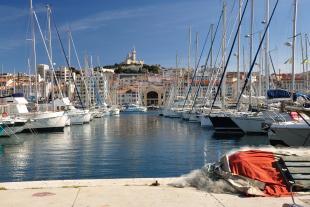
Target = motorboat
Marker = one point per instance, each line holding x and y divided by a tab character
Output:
134	108
76	116
295	132
290	133
10	126
47	121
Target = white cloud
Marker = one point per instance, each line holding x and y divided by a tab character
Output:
9	13
100	19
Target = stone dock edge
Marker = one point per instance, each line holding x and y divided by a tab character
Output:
125	192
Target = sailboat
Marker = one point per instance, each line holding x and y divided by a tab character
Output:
39	121
297	132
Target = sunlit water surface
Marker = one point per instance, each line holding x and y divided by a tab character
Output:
128	146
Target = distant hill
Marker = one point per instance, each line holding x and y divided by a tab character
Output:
122	68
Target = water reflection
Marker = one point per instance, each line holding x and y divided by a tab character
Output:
131	145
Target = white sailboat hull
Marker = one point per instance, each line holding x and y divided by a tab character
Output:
290	134
114	111
250	125
46	121
79	117
172	113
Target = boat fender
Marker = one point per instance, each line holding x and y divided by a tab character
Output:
5	114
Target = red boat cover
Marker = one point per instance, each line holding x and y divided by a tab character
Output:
259	165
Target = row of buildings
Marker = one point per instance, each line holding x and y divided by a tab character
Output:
102	86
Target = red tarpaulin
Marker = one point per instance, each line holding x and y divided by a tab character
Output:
259	165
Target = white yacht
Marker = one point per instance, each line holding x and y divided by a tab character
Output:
134	108
9	126
290	133
295	132
76	116
38	121
114	111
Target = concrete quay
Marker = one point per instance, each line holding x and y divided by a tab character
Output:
125	193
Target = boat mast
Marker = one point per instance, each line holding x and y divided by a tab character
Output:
293	47
260	67
224	53
196	50
251	51
267	71
69	47
33	38
2	76
238	51
303	62
307	76
29	78
211	52
189	53
49	12
189	49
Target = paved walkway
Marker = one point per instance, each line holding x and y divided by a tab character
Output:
124	193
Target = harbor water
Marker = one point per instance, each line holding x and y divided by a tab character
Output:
125	146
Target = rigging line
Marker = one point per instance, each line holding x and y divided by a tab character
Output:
257	52
228	42
231	49
273	67
67	61
205	66
47	52
196	69
219	50
79	63
203	48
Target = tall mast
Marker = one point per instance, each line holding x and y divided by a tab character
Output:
189	53
33	38
14	82
211	52
267	71
224	53
260	68
196	50
69	47
50	51
189	47
251	50
303	62
293	46
307	76
2	77
238	52
29	73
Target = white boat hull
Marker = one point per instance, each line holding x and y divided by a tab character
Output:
79	117
46	121
250	125
289	134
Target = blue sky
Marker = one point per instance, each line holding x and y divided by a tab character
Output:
108	29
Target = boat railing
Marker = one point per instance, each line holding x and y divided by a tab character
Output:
275	116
